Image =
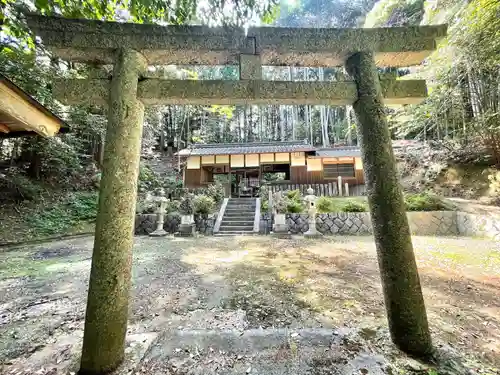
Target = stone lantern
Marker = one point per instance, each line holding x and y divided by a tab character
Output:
310	200
161	200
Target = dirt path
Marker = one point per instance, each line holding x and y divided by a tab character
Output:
475	207
242	285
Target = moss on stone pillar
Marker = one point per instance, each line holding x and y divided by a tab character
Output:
401	284
107	305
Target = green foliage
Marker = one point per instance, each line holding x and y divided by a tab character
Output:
338	204
186	206
148	180
264	206
324	205
395	13
294	195
478	32
16	184
353	206
288	202
426	202
462	75
294	207
264	198
280	203
173	206
217	192
494	179
74	209
203	204
172	12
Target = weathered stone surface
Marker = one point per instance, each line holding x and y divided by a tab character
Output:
153	91
94	41
433	223
107	304
478	225
428	223
205	225
403	297
146	223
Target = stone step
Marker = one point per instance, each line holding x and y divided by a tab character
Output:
263	351
239	213
237	221
236	233
235	228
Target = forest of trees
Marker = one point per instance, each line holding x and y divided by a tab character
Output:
463	78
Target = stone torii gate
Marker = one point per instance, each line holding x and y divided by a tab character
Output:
132	47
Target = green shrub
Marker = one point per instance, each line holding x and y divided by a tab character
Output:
186	205
148	180
353	206
203	204
494	179
14	182
325	205
294	195
264	193
264	198
426	202
264	206
280	203
217	192
75	208
173	206
294	207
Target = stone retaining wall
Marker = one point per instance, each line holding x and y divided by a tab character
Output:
146	223
478	225
433	223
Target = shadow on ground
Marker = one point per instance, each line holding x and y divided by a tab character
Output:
281	292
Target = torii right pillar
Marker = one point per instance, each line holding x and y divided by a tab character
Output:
398	269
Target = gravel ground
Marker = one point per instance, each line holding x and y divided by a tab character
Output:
245	284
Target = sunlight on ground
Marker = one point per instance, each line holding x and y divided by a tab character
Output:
337	282
259	282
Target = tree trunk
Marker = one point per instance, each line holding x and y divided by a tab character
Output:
400	280
282	122
349	126
109	286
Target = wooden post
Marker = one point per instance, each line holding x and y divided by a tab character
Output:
270	202
346	186
339	185
400	280
107	305
229	178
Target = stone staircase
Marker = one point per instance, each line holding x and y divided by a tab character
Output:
238	218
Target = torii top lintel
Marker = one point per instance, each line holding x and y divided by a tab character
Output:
94	41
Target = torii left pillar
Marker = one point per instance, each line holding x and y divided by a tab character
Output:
110	276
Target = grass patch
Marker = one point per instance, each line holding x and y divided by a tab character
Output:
22	266
413	202
426	202
74	210
341	204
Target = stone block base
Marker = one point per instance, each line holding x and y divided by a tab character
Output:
158	233
186	230
313	235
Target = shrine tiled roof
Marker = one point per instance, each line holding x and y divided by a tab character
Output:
346	151
247	148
